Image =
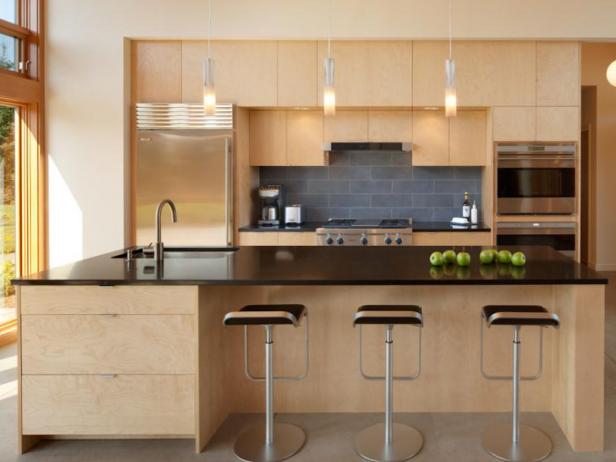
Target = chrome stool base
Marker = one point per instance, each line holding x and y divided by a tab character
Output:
250	446
370	443
534	445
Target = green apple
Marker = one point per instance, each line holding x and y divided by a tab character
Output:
504	256
518	259
436	259
463	259
449	256
494	253
486	257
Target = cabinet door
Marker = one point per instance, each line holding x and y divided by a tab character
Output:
259	238
245	71
558	74
346	126
305	138
268	138
514	123
299	239
430	138
371	73
387	126
558	123
297	73
467	142
157	72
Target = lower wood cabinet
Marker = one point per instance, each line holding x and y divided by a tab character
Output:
453	238
108	405
268	238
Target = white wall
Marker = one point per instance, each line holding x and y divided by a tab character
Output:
86	74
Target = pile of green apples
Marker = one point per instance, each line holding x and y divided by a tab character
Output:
487	257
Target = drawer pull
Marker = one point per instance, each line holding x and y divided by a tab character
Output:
109	376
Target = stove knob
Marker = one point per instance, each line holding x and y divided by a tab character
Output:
387	239
363	240
398	239
339	240
329	240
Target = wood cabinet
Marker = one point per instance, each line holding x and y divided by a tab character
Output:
558	123
297	73
387	126
371	73
157	71
258	238
346	126
514	123
280	138
558	74
246	71
307	238
283	238
453	238
430	138
467	139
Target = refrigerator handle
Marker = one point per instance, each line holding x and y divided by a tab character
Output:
228	190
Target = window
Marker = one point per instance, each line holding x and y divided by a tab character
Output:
9	52
8	10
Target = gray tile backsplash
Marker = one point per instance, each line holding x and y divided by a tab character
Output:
377	185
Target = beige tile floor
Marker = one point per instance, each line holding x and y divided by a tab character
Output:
449	437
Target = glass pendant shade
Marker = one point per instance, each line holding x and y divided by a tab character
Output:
329	90
209	92
611	73
451	99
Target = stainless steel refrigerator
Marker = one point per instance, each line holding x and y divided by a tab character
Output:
186	156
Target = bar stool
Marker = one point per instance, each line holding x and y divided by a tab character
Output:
516	442
269	442
388	442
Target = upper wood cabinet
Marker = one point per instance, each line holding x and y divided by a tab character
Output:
305	138
499	73
281	138
439	141
514	123
157	71
246	72
467	138
346	126
430	138
297	73
268	140
371	73
558	74
558	123
387	126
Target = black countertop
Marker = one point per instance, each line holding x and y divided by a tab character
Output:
418	226
318	266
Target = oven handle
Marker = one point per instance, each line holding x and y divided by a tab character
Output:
537	158
535	228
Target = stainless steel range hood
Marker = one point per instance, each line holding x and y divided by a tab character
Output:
367	146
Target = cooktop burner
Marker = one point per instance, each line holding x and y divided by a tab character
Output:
367	223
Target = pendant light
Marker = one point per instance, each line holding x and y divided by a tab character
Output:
451	99
329	68
209	92
611	73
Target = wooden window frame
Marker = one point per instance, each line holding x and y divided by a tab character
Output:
24	89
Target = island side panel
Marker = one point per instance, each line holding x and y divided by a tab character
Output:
578	357
451	380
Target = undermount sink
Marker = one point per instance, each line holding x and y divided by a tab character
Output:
179	252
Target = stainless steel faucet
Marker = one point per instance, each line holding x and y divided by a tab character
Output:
159	247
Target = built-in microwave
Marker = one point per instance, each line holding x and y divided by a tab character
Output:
536	179
558	235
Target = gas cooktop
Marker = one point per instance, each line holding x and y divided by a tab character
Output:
367	223
365	232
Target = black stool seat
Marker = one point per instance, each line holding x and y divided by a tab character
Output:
388	314
261	315
519	315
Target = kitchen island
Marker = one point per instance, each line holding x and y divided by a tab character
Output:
115	348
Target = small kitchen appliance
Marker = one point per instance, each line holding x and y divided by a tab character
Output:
293	215
272	205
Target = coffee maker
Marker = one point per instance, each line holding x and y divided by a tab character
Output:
271	197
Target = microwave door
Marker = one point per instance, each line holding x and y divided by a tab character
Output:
192	168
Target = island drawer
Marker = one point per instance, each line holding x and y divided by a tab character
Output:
100	344
108	405
108	300
453	238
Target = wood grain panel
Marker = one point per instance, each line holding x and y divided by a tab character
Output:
297	238
108	405
246	177
108	300
558	74
388	126
558	123
346	126
101	344
514	123
268	140
467	139
259	238
448	238
305	138
297	73
430	138
157	71
245	71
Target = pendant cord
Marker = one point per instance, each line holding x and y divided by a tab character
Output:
450	27
329	30
209	30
